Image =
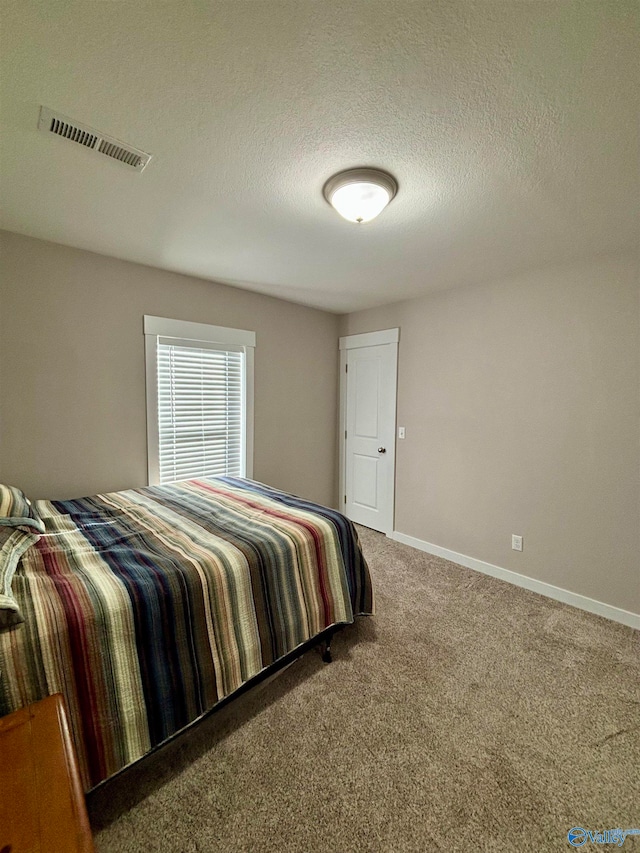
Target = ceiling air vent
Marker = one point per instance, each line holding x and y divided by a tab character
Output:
66	127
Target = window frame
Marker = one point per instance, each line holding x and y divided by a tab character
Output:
186	332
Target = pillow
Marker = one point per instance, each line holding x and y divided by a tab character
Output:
13	543
16	510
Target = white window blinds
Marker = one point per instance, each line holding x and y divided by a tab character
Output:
200	410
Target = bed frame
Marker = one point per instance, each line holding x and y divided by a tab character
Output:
321	642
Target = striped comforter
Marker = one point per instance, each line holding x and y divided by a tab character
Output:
146	607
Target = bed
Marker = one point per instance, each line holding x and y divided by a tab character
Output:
147	608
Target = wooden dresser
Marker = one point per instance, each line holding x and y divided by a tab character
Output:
42	806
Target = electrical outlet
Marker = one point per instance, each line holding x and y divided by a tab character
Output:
516	542
400	432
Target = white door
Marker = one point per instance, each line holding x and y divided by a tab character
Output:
370	425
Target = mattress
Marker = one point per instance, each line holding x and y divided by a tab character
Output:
146	607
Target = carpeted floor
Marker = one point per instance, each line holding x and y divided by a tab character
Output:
466	715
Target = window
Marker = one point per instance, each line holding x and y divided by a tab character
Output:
199	400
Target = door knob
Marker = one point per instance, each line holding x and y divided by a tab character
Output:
382	450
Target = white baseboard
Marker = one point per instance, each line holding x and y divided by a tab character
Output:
625	617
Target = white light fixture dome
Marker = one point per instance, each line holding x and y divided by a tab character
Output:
360	194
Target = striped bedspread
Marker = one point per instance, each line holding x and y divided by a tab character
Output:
146	607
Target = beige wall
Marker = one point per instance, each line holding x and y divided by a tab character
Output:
521	402
72	380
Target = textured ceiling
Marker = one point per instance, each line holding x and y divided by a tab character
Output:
511	127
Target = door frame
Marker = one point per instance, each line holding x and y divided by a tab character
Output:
368	339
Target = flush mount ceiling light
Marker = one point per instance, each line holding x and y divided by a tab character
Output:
360	194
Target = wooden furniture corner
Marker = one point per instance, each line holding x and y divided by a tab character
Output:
42	805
